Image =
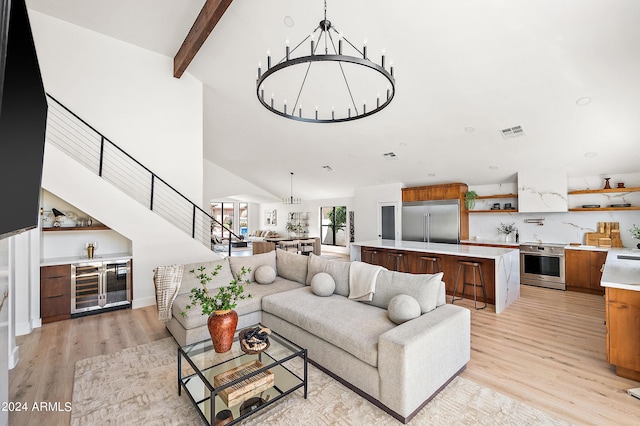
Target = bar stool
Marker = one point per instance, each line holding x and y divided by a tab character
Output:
393	261
474	266
430	263
306	247
369	256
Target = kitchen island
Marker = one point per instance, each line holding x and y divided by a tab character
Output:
621	280
500	266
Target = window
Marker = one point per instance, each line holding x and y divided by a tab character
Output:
223	213
333	225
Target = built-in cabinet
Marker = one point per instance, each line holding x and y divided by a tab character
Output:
448	265
623	331
72	289
451	191
583	270
55	293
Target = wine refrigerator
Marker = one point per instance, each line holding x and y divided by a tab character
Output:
97	286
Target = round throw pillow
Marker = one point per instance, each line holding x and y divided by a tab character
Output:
265	274
403	308
322	284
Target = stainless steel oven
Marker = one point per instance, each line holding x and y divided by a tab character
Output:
542	265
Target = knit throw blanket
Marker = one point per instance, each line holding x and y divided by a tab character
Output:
167	280
362	281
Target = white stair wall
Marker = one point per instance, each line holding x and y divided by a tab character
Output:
155	241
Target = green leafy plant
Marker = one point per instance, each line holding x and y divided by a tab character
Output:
635	231
224	299
506	229
470	195
338	218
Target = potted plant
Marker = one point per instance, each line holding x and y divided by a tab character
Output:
506	229
219	306
635	232
470	199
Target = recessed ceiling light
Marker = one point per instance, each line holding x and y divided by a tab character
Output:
469	129
431	174
591	154
493	167
328	168
583	101
403	144
288	21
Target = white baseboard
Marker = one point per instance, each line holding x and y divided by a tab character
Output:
14	357
142	303
23	328
36	323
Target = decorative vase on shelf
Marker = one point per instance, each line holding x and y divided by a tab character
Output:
222	326
607	185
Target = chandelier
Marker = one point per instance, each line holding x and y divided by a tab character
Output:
291	199
336	88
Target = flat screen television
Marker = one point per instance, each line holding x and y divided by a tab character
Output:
23	120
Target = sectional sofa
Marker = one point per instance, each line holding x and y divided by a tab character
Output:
398	349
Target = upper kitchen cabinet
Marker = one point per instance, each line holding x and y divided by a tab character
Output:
542	191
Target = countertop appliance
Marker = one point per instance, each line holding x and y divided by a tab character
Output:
431	221
542	265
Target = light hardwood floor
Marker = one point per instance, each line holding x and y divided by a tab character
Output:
547	350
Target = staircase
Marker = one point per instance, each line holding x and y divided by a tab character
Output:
87	170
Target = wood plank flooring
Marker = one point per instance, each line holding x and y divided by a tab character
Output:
546	350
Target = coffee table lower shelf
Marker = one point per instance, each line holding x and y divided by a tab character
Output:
239	382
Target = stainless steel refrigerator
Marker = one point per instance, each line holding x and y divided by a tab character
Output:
431	221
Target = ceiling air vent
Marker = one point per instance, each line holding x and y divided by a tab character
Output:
328	168
512	132
390	156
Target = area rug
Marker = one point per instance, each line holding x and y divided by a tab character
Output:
138	386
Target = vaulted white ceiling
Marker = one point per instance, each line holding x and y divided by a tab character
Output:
465	69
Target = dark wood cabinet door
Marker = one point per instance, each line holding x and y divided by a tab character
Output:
596	260
623	331
577	269
55	293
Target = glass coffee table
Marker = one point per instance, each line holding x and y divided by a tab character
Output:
239	382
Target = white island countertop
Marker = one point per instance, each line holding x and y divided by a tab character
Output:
438	248
622	273
84	259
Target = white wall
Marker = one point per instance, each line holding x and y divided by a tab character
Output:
129	94
154	241
366	205
560	227
221	184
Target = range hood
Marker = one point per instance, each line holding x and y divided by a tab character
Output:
542	191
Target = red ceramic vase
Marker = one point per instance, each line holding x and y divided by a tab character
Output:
222	326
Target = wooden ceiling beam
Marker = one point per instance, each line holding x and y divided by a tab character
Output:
206	21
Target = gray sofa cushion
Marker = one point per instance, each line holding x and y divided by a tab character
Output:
265	274
352	326
292	266
190	281
253	262
195	318
425	288
337	269
403	308
322	284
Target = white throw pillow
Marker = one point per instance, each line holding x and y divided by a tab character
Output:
403	308
323	284
265	274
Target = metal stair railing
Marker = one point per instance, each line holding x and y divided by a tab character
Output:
89	147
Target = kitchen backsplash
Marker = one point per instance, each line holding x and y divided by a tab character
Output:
565	227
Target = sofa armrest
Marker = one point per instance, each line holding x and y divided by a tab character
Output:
417	357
